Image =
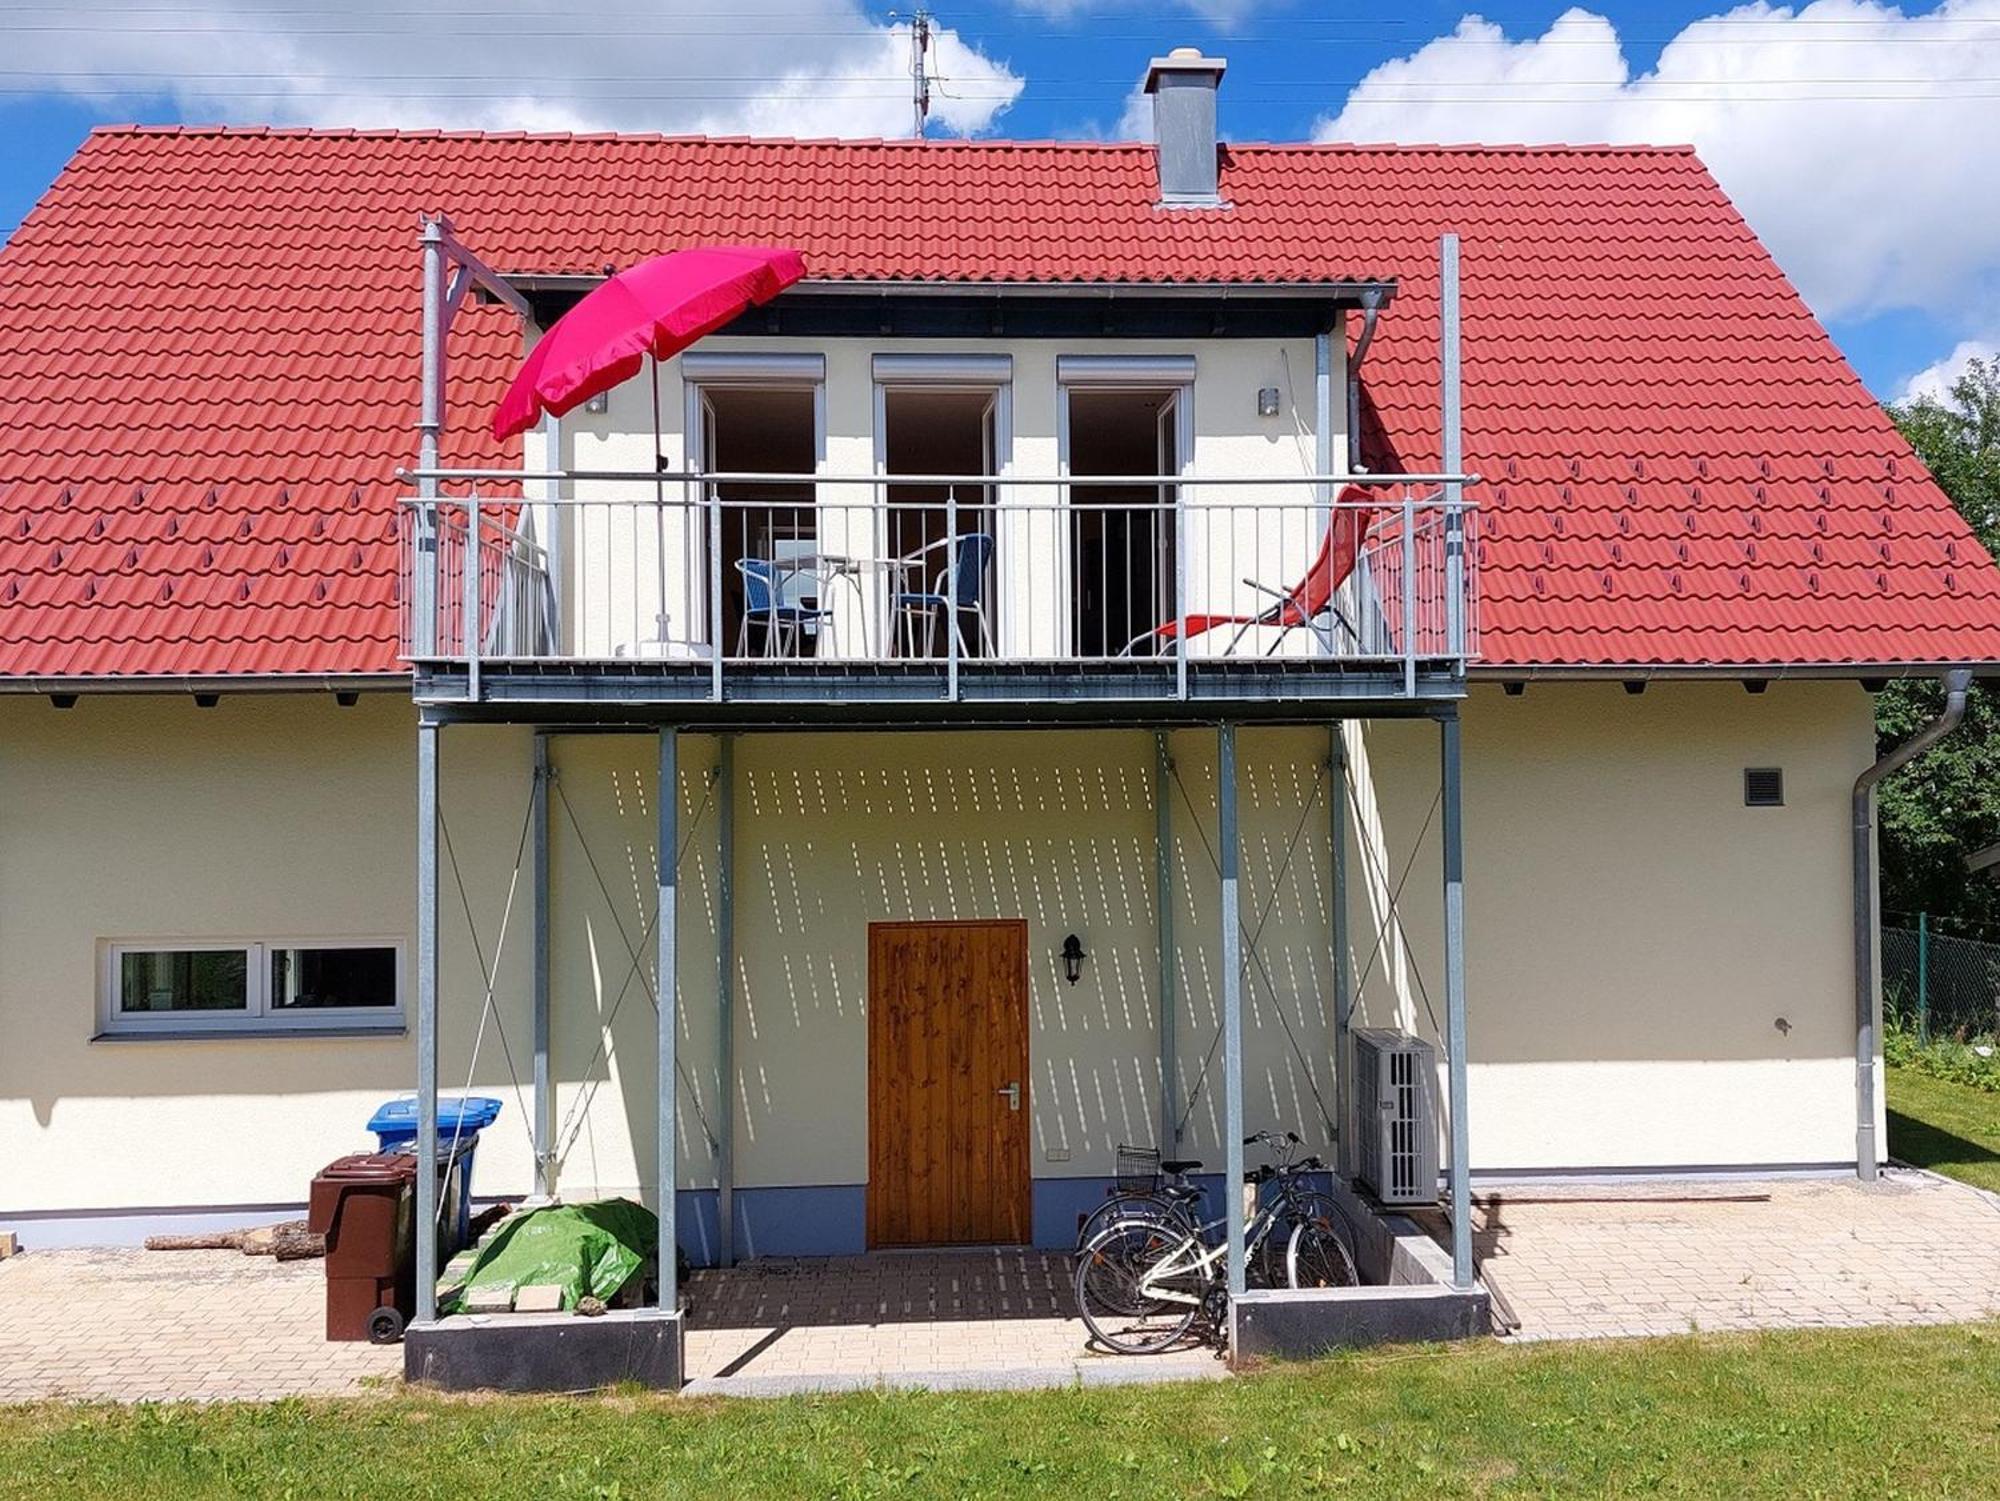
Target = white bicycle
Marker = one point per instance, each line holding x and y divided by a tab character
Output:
1143	1280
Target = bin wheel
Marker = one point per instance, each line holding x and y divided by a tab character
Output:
385	1326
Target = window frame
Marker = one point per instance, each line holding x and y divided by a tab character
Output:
258	1015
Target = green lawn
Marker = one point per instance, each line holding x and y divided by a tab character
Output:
1950	1128
1875	1413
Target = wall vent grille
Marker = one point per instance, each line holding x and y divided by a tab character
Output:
1397	1145
1763	787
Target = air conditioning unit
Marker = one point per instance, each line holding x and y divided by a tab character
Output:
1395	1106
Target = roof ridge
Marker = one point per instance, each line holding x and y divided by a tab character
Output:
344	132
983	143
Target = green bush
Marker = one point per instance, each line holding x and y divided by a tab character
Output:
1975	1063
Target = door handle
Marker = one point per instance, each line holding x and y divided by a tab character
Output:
1013	1094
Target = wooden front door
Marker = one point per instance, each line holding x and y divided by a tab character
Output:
948	1083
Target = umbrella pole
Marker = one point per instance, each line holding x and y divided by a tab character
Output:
659	504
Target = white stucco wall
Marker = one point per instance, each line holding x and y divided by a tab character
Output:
1635	934
1657	975
148	817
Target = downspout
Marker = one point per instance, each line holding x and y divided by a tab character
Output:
1371	309
1867	1155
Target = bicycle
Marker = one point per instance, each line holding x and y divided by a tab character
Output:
1143	1280
1147	1185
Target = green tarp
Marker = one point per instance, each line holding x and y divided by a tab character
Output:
589	1249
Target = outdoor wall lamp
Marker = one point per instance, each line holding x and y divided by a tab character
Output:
1267	401
1073	957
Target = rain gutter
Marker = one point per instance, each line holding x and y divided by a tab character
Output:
1372	304
1867	997
372	682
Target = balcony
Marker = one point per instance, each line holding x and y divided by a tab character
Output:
937	596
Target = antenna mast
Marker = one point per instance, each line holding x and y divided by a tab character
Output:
920	78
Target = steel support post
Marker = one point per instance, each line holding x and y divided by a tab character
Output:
427	1018
1923	979
430	426
1163	865
714	565
1409	587
725	999
1453	452
1343	1000
470	578
1180	589
1232	1004
545	1100
1454	1002
1323	420
666	1102
951	591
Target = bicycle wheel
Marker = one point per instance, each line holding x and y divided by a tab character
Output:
1316	1256
1310	1206
1120	1308
1124	1207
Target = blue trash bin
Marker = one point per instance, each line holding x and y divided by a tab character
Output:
459	1123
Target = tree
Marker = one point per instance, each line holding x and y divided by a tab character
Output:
1946	803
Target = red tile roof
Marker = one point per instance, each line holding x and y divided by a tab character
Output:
208	372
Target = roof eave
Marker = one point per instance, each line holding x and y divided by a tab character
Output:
1859	671
1357	292
255	682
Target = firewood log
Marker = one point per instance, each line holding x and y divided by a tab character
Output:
294	1242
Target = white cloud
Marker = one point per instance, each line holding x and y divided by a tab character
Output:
1222	14
1856	140
1935	380
1136	122
793	67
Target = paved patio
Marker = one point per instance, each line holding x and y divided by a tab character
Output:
1584	1262
136	1326
1003	1317
1570	1261
131	1325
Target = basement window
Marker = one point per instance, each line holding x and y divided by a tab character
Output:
1763	787
207	987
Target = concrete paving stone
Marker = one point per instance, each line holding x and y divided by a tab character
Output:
215	1325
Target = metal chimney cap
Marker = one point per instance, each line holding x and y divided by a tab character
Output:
1184	60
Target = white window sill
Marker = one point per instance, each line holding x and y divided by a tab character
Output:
248	1034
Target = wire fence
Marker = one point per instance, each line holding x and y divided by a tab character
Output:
1939	985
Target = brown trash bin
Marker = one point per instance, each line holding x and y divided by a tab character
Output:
365	1206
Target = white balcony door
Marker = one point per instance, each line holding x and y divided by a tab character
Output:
760	414
943	415
1115	557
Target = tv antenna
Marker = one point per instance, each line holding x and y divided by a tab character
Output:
920	75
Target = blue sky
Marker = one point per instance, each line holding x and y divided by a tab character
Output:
1855	136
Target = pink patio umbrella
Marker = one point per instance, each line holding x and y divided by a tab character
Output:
656	308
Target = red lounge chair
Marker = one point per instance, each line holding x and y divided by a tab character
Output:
1302	606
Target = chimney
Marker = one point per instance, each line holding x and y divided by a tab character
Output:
1183	85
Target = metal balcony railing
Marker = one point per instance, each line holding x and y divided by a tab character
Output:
1152	577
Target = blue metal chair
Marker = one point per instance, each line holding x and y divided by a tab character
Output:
943	601
785	622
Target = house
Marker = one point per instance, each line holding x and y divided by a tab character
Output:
299	808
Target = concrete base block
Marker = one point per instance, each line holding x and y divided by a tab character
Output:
547	1352
1300	1325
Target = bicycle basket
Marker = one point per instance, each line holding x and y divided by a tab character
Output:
1138	1168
